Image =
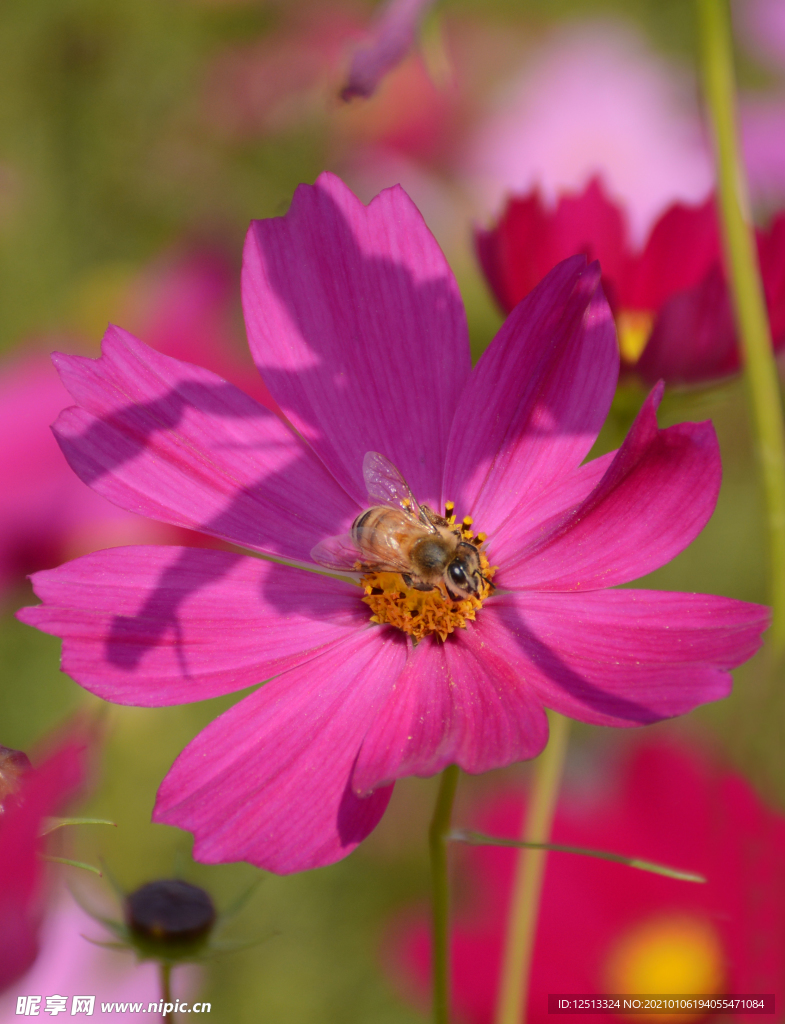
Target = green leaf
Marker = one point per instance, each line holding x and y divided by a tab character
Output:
50	824
71	863
480	839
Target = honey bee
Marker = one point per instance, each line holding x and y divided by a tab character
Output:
395	534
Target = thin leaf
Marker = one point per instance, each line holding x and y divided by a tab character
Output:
115	926
239	902
480	839
121	946
50	824
71	863
119	891
219	946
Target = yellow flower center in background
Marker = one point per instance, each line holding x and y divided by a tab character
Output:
423	612
667	956
633	327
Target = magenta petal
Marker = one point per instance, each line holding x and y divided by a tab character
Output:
536	400
175	442
356	323
165	625
624	657
455	703
547	512
655	497
694	337
268	781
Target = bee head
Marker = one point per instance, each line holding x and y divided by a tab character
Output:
462	575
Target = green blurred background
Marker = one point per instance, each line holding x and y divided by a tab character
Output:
118	142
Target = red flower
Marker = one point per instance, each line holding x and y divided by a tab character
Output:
604	928
27	796
671	304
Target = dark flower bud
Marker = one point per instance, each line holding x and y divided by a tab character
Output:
13	765
169	918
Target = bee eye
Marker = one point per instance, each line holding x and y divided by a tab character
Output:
457	575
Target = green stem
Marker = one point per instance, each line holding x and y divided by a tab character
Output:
166	991
438	839
747	290
529	872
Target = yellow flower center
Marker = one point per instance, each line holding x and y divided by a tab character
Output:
421	613
668	956
634	328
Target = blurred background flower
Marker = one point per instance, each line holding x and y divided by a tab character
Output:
604	928
669	298
28	796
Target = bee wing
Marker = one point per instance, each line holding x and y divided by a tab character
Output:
387	487
337	552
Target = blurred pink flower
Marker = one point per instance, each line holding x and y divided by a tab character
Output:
670	299
36	794
762	121
68	964
46	514
761	23
604	928
595	101
394	34
356	324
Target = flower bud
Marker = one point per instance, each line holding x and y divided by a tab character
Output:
169	919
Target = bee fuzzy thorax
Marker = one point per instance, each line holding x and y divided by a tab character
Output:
422	613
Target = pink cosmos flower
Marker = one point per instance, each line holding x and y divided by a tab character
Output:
35	794
669	298
605	928
356	324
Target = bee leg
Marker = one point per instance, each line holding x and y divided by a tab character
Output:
416	584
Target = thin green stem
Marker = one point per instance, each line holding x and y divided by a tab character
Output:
529	872
438	841
747	290
481	839
166	991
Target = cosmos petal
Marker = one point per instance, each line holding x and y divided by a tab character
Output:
694	337
656	495
623	657
177	443
165	625
529	240
548	511
683	246
455	703
536	400
356	324
269	781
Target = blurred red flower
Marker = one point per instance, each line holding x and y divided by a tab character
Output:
670	300
28	795
604	928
